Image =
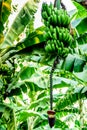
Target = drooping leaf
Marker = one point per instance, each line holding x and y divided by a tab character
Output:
79	64
69	63
69	99
24	88
20	22
27	72
60	82
82	75
84	90
81	27
9	116
26	46
64	112
6	10
40	102
23	115
40	80
61	124
81	11
75	22
82	39
32	39
2	107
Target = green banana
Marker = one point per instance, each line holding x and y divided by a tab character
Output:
51	29
48	9
62	19
46	36
57	31
49	33
58	43
44	15
59	20
61	11
56	11
43	7
60	36
64	36
48	47
51	7
62	45
66	22
53	47
65	52
51	20
54	34
59	51
70	39
54	19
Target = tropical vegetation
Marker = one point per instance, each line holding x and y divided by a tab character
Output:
25	70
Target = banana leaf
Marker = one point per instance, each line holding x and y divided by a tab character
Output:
70	98
32	39
20	22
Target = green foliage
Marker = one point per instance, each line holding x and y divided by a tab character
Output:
21	20
8	117
82	39
74	63
81	11
26	73
81	27
80	18
23	115
5	10
69	63
24	76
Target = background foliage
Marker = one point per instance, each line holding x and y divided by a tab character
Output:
25	69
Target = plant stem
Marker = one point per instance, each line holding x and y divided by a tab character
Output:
56	61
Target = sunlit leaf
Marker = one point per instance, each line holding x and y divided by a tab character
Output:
26	114
69	99
81	27
1	38
20	22
82	75
79	64
32	39
81	11
40	102
69	63
6	10
82	39
27	72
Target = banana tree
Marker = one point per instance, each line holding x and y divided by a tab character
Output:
18	76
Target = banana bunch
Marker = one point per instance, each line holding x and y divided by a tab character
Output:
57	47
62	34
57	32
54	16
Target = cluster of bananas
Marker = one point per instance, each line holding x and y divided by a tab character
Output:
57	32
